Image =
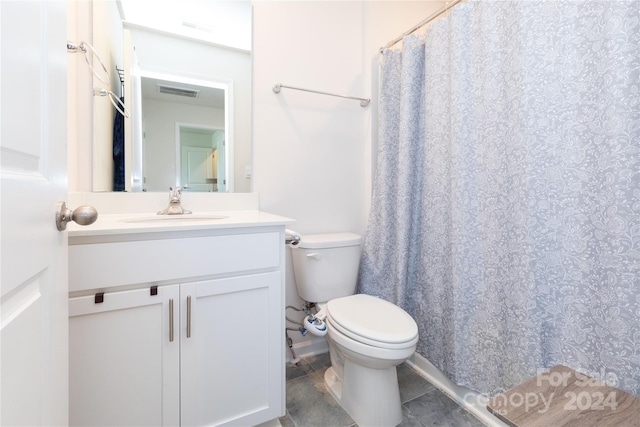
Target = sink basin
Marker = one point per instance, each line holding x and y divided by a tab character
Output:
172	218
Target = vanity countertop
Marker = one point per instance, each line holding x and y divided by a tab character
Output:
136	223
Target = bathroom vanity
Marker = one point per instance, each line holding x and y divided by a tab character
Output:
177	321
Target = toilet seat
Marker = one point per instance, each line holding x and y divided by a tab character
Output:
372	321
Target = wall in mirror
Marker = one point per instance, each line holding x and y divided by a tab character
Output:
184	64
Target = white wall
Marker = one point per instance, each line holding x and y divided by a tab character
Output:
307	147
79	99
313	153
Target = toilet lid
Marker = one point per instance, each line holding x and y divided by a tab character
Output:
372	320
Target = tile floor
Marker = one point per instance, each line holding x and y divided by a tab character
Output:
309	404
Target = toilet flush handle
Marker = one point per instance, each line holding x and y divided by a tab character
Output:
315	256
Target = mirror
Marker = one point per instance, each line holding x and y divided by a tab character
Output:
187	84
185	134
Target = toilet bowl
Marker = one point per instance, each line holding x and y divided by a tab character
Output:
367	336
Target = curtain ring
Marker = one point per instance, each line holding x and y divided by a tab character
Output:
117	102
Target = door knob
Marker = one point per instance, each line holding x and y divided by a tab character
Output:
83	215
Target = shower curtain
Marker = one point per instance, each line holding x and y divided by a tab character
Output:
506	204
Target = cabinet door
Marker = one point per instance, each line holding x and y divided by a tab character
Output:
232	361
123	367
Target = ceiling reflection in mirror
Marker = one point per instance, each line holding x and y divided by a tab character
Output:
187	78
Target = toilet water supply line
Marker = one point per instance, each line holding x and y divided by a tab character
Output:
294	359
312	322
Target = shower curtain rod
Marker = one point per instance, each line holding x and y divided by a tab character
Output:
363	101
422	23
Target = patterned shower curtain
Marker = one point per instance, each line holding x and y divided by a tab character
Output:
506	206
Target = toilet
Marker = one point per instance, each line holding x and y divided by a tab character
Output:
367	336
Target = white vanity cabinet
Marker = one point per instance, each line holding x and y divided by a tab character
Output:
227	365
123	368
189	330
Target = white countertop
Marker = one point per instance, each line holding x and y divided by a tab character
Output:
136	223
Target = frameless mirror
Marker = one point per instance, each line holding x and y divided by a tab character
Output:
188	89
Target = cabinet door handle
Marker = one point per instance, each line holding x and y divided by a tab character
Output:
188	316
171	320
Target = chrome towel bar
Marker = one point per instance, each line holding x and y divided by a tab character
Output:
363	101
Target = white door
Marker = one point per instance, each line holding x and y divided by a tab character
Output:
222	162
196	168
33	285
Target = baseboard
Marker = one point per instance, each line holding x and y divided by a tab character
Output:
469	400
310	347
272	423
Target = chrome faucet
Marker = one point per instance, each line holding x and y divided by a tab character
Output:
175	206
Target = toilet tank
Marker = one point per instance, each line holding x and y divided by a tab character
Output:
326	265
